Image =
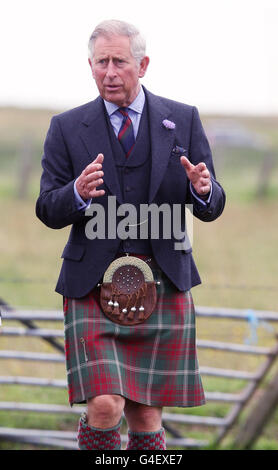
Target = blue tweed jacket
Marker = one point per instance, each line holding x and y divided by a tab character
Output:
73	141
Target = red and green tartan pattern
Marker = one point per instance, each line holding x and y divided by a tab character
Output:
146	440
90	438
154	363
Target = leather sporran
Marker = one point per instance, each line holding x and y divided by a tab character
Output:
128	292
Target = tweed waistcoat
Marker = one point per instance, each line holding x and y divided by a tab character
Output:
134	177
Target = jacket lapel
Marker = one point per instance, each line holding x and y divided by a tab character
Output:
162	141
94	134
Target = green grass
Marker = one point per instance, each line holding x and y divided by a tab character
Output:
236	257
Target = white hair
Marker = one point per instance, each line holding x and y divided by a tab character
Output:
117	27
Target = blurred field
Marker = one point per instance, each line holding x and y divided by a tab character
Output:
236	255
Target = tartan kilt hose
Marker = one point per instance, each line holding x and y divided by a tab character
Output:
153	363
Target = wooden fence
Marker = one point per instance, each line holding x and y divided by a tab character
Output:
30	319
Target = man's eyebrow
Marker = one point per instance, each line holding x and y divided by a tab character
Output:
113	56
102	56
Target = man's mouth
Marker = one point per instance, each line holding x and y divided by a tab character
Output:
112	87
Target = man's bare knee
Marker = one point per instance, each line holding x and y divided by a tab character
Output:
105	410
142	417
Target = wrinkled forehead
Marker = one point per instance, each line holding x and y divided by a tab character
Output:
112	45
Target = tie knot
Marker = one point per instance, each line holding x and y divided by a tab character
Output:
123	111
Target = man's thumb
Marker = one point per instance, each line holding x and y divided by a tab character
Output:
99	158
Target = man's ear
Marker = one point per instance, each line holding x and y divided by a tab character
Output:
143	66
91	67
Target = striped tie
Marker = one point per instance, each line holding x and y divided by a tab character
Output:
126	134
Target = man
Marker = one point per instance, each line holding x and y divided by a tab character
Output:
140	149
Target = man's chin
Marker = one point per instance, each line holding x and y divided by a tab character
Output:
115	97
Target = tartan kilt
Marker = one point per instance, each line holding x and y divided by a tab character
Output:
153	363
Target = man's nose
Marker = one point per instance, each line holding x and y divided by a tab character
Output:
111	70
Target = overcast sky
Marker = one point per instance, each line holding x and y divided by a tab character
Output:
219	55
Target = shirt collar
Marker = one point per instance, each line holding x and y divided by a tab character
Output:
137	105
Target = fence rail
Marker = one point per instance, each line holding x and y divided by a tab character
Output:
50	333
67	439
212	312
57	383
54	336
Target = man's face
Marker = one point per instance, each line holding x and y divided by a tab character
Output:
115	70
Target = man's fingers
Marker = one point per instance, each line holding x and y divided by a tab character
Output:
91	168
94	184
93	190
198	174
205	181
205	173
95	165
97	193
93	176
186	163
201	167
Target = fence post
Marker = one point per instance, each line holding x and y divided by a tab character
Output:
258	417
265	174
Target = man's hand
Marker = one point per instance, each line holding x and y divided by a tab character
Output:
198	175
90	179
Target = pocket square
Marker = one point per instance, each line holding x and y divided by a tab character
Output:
178	150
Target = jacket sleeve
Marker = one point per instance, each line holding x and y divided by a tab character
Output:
200	151
56	206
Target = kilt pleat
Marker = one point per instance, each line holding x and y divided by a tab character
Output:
154	363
